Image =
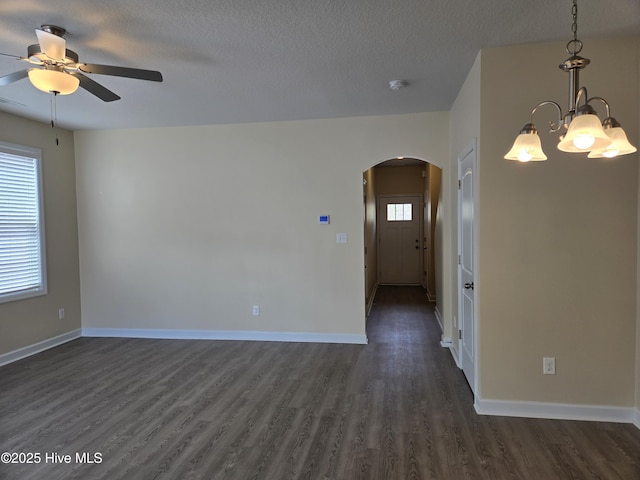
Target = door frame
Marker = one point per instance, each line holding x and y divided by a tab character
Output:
420	218
470	149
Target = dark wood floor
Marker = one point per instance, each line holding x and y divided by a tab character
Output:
397	408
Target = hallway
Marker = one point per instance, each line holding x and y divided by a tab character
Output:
425	425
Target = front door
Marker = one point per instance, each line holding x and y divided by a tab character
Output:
466	204
399	239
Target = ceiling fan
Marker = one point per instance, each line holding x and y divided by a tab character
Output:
56	69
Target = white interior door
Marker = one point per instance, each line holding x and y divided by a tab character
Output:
466	241
400	249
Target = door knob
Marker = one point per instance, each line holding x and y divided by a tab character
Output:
468	286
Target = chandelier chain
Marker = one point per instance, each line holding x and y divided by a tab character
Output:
574	46
574	25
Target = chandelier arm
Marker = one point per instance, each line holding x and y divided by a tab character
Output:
582	92
555	126
606	104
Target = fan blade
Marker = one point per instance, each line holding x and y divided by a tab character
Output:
137	73
11	102
95	88
12	56
13	77
52	45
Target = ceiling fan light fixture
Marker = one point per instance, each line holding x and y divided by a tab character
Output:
53	81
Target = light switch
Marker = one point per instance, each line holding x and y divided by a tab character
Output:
341	238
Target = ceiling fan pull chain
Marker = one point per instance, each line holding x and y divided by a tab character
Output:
54	115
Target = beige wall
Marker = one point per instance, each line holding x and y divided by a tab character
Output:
433	194
186	228
400	180
26	322
558	239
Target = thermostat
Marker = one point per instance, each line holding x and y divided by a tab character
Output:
323	219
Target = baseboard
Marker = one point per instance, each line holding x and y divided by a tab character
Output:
372	298
436	312
455	354
636	418
431	296
557	411
29	350
226	335
447	342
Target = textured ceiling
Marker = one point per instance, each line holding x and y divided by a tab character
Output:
228	61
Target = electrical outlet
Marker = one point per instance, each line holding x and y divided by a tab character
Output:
256	310
549	365
60	313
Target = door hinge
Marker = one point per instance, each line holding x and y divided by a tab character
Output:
459	184
459	259
459	334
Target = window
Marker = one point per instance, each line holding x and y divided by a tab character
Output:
399	212
22	252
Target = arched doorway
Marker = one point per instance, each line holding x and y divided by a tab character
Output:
401	198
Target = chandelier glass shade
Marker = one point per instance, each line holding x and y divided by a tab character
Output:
527	147
619	145
584	132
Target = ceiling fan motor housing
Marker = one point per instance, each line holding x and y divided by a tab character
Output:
54	29
34	52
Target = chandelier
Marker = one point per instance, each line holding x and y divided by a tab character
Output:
584	131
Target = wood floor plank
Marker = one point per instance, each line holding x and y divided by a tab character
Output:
397	408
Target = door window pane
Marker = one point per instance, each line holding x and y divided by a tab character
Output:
399	212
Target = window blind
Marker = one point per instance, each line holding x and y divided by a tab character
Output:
21	235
